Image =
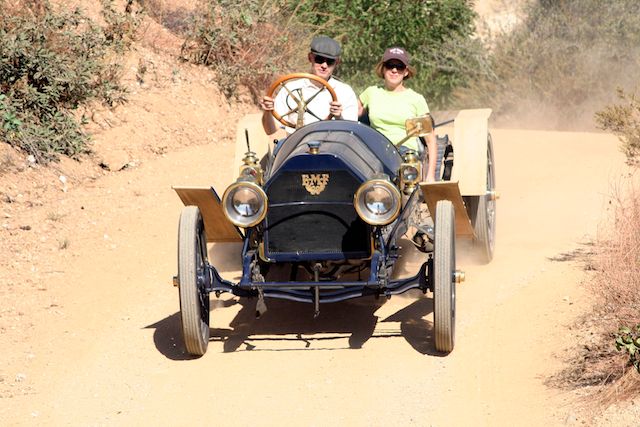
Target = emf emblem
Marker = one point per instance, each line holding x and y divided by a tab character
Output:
315	183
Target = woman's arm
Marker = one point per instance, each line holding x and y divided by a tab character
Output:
432	147
360	108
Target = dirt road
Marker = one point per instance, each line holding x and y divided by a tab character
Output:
100	344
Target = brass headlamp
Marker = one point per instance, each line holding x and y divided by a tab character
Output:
251	168
410	171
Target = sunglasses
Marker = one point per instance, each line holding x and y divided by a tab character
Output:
321	60
397	65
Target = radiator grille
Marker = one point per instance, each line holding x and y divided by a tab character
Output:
325	224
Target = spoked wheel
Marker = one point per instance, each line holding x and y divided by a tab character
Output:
444	284
484	211
194	300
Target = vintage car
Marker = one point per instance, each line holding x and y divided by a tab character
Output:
320	221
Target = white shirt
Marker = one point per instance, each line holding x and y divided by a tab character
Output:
319	105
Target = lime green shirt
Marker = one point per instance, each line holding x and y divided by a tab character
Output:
389	110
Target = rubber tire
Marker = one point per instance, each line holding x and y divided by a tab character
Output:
444	286
484	213
442	142
194	301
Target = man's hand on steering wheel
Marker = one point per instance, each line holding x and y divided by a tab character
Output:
335	108
266	103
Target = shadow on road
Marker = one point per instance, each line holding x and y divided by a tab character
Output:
287	321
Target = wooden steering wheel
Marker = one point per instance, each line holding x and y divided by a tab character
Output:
302	106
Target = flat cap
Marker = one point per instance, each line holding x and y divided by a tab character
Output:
325	46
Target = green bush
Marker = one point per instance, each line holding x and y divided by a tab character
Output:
629	341
50	64
435	33
248	42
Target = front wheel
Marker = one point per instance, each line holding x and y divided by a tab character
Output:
444	285
194	300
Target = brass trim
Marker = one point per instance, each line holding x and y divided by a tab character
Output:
254	186
410	159
257	175
314	183
417	126
385	183
251	161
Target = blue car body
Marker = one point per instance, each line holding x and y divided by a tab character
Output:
305	230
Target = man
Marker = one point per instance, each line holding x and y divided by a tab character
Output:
324	57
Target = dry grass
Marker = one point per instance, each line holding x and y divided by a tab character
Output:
615	285
246	43
560	65
55	216
6	163
63	244
175	15
617	281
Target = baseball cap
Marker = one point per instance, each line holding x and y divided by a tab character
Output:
325	46
396	53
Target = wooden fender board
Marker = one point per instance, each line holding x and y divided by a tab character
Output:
469	141
433	192
216	225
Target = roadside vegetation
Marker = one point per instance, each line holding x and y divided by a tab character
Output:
249	42
52	62
561	64
623	120
437	34
614	357
606	354
574	65
246	42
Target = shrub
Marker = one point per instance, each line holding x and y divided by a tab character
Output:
246	42
623	120
629	341
177	18
435	33
616	279
615	284
562	63
51	63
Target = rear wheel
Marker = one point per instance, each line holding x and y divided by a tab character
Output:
194	300
483	211
444	286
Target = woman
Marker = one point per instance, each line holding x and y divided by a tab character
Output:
389	106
